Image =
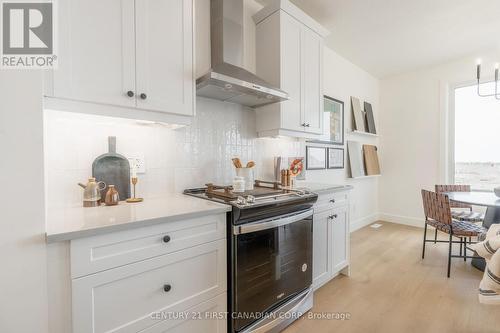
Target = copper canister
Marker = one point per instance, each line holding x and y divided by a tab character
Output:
112	196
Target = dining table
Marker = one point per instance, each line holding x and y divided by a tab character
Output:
492	215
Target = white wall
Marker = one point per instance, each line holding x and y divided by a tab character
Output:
413	120
341	80
23	277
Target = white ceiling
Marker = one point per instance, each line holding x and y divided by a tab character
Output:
387	37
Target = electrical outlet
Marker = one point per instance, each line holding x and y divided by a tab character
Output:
138	161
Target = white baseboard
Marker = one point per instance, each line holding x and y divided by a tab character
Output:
364	221
405	220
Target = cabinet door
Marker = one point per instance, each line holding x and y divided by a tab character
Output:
201	318
164	69
291	72
312	86
322	249
96	53
340	243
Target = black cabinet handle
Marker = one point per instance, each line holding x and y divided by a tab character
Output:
143	96
167	288
130	93
332	201
166	239
332	217
308	125
303	124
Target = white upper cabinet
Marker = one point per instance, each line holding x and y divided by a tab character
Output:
290	56
312	81
291	74
96	52
165	56
136	55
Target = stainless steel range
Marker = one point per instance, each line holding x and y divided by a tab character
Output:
270	254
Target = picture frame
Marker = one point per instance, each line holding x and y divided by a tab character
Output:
336	158
315	158
333	118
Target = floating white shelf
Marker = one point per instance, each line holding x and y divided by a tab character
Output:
362	177
364	133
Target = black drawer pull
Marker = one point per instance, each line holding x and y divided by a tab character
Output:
130	93
143	96
332	201
334	216
167	288
166	239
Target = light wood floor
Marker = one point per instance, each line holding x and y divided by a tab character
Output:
392	290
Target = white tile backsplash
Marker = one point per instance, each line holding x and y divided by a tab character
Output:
175	159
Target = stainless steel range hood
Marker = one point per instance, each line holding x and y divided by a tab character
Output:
227	80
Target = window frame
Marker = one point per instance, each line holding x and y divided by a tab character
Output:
447	130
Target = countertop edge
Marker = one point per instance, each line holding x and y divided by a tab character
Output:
70	235
335	189
324	188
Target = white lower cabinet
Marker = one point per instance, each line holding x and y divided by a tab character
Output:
340	239
181	291
330	238
202	318
322	248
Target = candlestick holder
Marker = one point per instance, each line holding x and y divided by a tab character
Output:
134	199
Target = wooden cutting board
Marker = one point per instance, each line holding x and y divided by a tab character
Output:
371	160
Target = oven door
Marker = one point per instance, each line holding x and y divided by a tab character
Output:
272	263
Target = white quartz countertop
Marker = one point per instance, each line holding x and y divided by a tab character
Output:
77	222
322	187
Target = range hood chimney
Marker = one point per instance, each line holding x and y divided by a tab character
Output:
227	80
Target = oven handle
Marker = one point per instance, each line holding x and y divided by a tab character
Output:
258	226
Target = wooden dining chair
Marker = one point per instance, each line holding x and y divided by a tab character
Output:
437	209
460	211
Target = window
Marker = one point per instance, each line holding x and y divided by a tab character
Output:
477	138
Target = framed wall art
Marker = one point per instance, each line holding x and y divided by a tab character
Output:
315	158
333	118
335	158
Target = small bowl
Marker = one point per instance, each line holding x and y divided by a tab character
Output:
497	191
